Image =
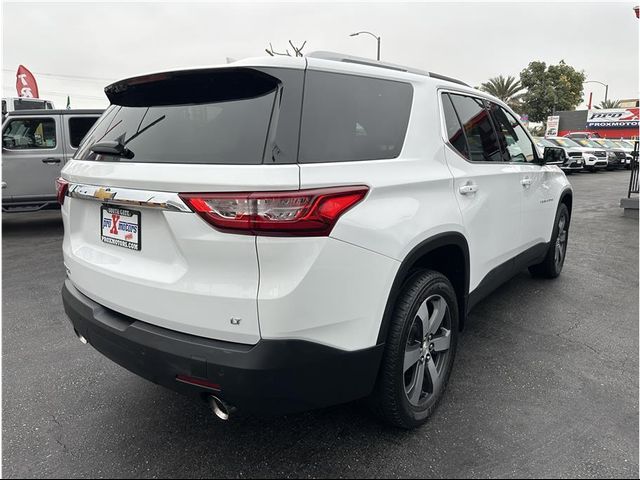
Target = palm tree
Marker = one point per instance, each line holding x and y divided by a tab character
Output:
608	104
508	89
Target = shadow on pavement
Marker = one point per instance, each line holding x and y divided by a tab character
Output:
31	223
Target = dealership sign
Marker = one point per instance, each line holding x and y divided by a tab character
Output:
553	123
613	118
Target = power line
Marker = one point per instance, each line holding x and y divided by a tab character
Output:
53	92
72	77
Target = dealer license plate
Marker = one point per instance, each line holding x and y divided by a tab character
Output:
120	227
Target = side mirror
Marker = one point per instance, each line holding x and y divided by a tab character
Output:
8	143
553	155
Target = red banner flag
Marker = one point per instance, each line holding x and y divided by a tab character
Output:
26	83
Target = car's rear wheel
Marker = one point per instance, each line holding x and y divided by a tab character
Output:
553	262
419	352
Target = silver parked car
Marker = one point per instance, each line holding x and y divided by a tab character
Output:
35	146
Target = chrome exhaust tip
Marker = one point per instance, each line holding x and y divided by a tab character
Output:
81	338
219	408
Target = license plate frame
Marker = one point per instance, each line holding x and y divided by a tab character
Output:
130	228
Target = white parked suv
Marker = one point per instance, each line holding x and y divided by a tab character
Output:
281	234
594	158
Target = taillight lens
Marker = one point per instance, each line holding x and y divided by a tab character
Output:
299	213
62	186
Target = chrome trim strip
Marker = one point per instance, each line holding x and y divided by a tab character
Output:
128	197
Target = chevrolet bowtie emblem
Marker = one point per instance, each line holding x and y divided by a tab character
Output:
104	194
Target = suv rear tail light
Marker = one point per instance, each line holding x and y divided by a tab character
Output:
296	213
61	189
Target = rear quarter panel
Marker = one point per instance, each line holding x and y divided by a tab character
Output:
334	291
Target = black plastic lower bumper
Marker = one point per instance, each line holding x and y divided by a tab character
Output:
271	377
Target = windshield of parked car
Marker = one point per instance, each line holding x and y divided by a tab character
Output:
619	144
606	143
587	143
565	142
543	142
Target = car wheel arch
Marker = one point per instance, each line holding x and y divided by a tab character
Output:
429	254
566	197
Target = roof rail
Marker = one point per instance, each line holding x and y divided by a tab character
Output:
448	79
339	57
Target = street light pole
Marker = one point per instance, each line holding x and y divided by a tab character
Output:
374	36
606	88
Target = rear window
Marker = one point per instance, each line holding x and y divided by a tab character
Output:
349	118
23	104
212	117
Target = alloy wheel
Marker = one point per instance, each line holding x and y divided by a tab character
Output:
561	242
427	351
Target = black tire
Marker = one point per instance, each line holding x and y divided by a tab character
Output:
390	399
553	262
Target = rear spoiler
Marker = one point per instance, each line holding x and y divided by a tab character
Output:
187	87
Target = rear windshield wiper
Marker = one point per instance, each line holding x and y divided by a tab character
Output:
118	148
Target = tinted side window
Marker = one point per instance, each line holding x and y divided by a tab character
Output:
29	134
455	135
481	137
78	128
347	118
518	145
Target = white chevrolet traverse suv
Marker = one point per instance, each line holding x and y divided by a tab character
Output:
281	234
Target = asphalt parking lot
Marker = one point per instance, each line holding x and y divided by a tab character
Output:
545	382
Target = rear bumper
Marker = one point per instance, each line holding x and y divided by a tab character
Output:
271	377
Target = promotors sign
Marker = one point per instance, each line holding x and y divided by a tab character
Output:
613	118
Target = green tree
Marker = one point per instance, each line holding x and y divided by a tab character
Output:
508	89
558	87
608	104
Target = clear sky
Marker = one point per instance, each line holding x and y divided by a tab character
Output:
77	48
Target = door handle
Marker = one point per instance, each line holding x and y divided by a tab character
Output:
468	189
50	160
525	182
